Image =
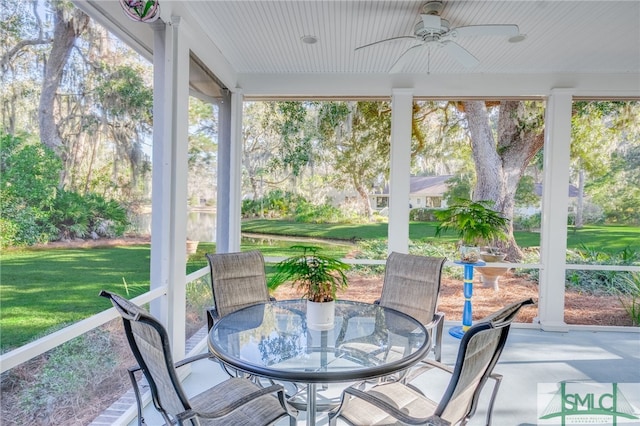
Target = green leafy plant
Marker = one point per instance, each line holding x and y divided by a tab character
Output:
71	374
474	222
319	276
631	300
607	282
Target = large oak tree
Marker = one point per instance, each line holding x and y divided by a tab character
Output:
69	24
501	156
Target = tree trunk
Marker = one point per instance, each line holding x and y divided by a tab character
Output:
580	207
366	202
66	30
501	164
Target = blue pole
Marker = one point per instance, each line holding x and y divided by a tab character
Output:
467	312
467	309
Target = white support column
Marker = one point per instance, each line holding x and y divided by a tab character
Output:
399	182
169	198
225	176
235	187
555	202
161	171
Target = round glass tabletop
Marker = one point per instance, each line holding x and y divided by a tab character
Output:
273	340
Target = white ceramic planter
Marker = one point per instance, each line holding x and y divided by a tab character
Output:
321	315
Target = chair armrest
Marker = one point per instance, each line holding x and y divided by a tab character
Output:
212	317
425	366
194	358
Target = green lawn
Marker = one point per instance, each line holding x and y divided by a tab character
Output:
601	238
42	290
343	231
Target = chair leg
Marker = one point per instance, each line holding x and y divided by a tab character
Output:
498	379
437	348
136	391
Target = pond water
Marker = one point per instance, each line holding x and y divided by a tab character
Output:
201	226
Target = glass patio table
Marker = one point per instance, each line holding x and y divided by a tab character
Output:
272	340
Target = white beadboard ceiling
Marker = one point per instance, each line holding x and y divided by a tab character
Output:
264	37
254	40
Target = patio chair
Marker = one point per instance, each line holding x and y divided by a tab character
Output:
403	403
238	280
234	401
411	285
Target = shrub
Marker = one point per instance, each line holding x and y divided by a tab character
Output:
199	298
531	255
79	216
378	249
591	214
28	176
306	212
423	215
631	301
72	372
601	281
34	210
527	222
277	204
371	249
280	204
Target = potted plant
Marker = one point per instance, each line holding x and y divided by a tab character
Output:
192	246
476	224
319	277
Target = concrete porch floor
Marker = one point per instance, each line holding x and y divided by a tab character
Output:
531	358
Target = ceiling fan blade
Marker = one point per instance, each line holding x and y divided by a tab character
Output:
399	64
486	30
383	41
459	53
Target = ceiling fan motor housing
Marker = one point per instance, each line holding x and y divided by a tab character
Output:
431	25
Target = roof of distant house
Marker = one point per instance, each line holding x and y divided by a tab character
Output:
436	186
426	186
573	190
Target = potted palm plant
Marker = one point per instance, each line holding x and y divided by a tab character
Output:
475	223
319	277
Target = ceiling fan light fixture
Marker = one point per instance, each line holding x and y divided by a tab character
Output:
309	39
517	38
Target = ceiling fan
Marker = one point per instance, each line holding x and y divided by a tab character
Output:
433	31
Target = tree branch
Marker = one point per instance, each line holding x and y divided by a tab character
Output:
22	44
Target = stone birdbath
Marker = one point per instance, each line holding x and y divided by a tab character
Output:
491	274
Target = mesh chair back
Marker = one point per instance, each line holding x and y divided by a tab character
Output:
149	343
238	280
479	351
411	285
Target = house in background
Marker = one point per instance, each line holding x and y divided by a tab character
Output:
534	209
424	192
